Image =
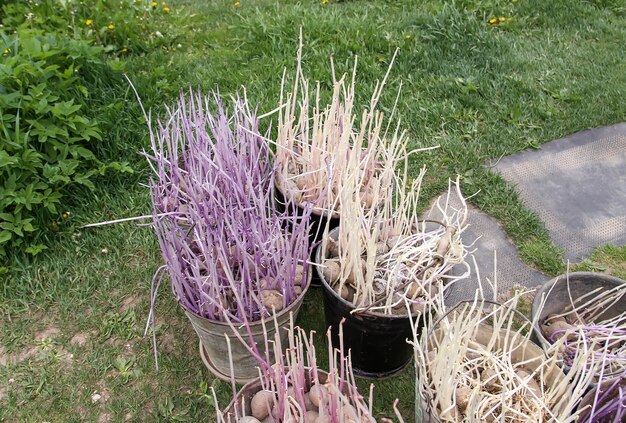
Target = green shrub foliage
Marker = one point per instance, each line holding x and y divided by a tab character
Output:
47	138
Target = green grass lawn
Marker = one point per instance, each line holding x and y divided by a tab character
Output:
72	322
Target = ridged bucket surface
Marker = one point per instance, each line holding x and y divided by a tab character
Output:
213	335
377	342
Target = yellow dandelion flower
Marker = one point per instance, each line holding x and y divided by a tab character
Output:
66	215
493	21
155	4
124	50
162	3
237	4
407	36
89	22
325	2
111	27
502	19
7	51
166	9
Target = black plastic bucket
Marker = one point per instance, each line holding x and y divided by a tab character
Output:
318	225
377	342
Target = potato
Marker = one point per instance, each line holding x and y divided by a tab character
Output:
304	182
349	414
490	380
462	396
269	419
347	293
261	404
298	290
272	299
324	419
381	248
352	277
414	290
557	325
533	390
333	248
311	417
299	274
267	282
472	355
418	308
572	318
317	394
249	419
332	271
392	241
367	198
308	404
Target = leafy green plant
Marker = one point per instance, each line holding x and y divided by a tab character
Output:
46	135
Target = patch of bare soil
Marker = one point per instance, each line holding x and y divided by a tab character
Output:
26	353
129	303
105	417
168	343
48	333
80	339
4	357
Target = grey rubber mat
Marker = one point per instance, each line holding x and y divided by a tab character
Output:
487	237
577	187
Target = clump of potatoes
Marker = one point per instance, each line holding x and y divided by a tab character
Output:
315	404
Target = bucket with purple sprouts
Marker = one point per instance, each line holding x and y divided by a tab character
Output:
231	262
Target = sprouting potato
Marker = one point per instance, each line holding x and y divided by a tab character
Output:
308	404
267	283
462	395
332	271
382	248
311	417
533	390
298	279
317	393
333	248
272	299
490	378
556	325
261	404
